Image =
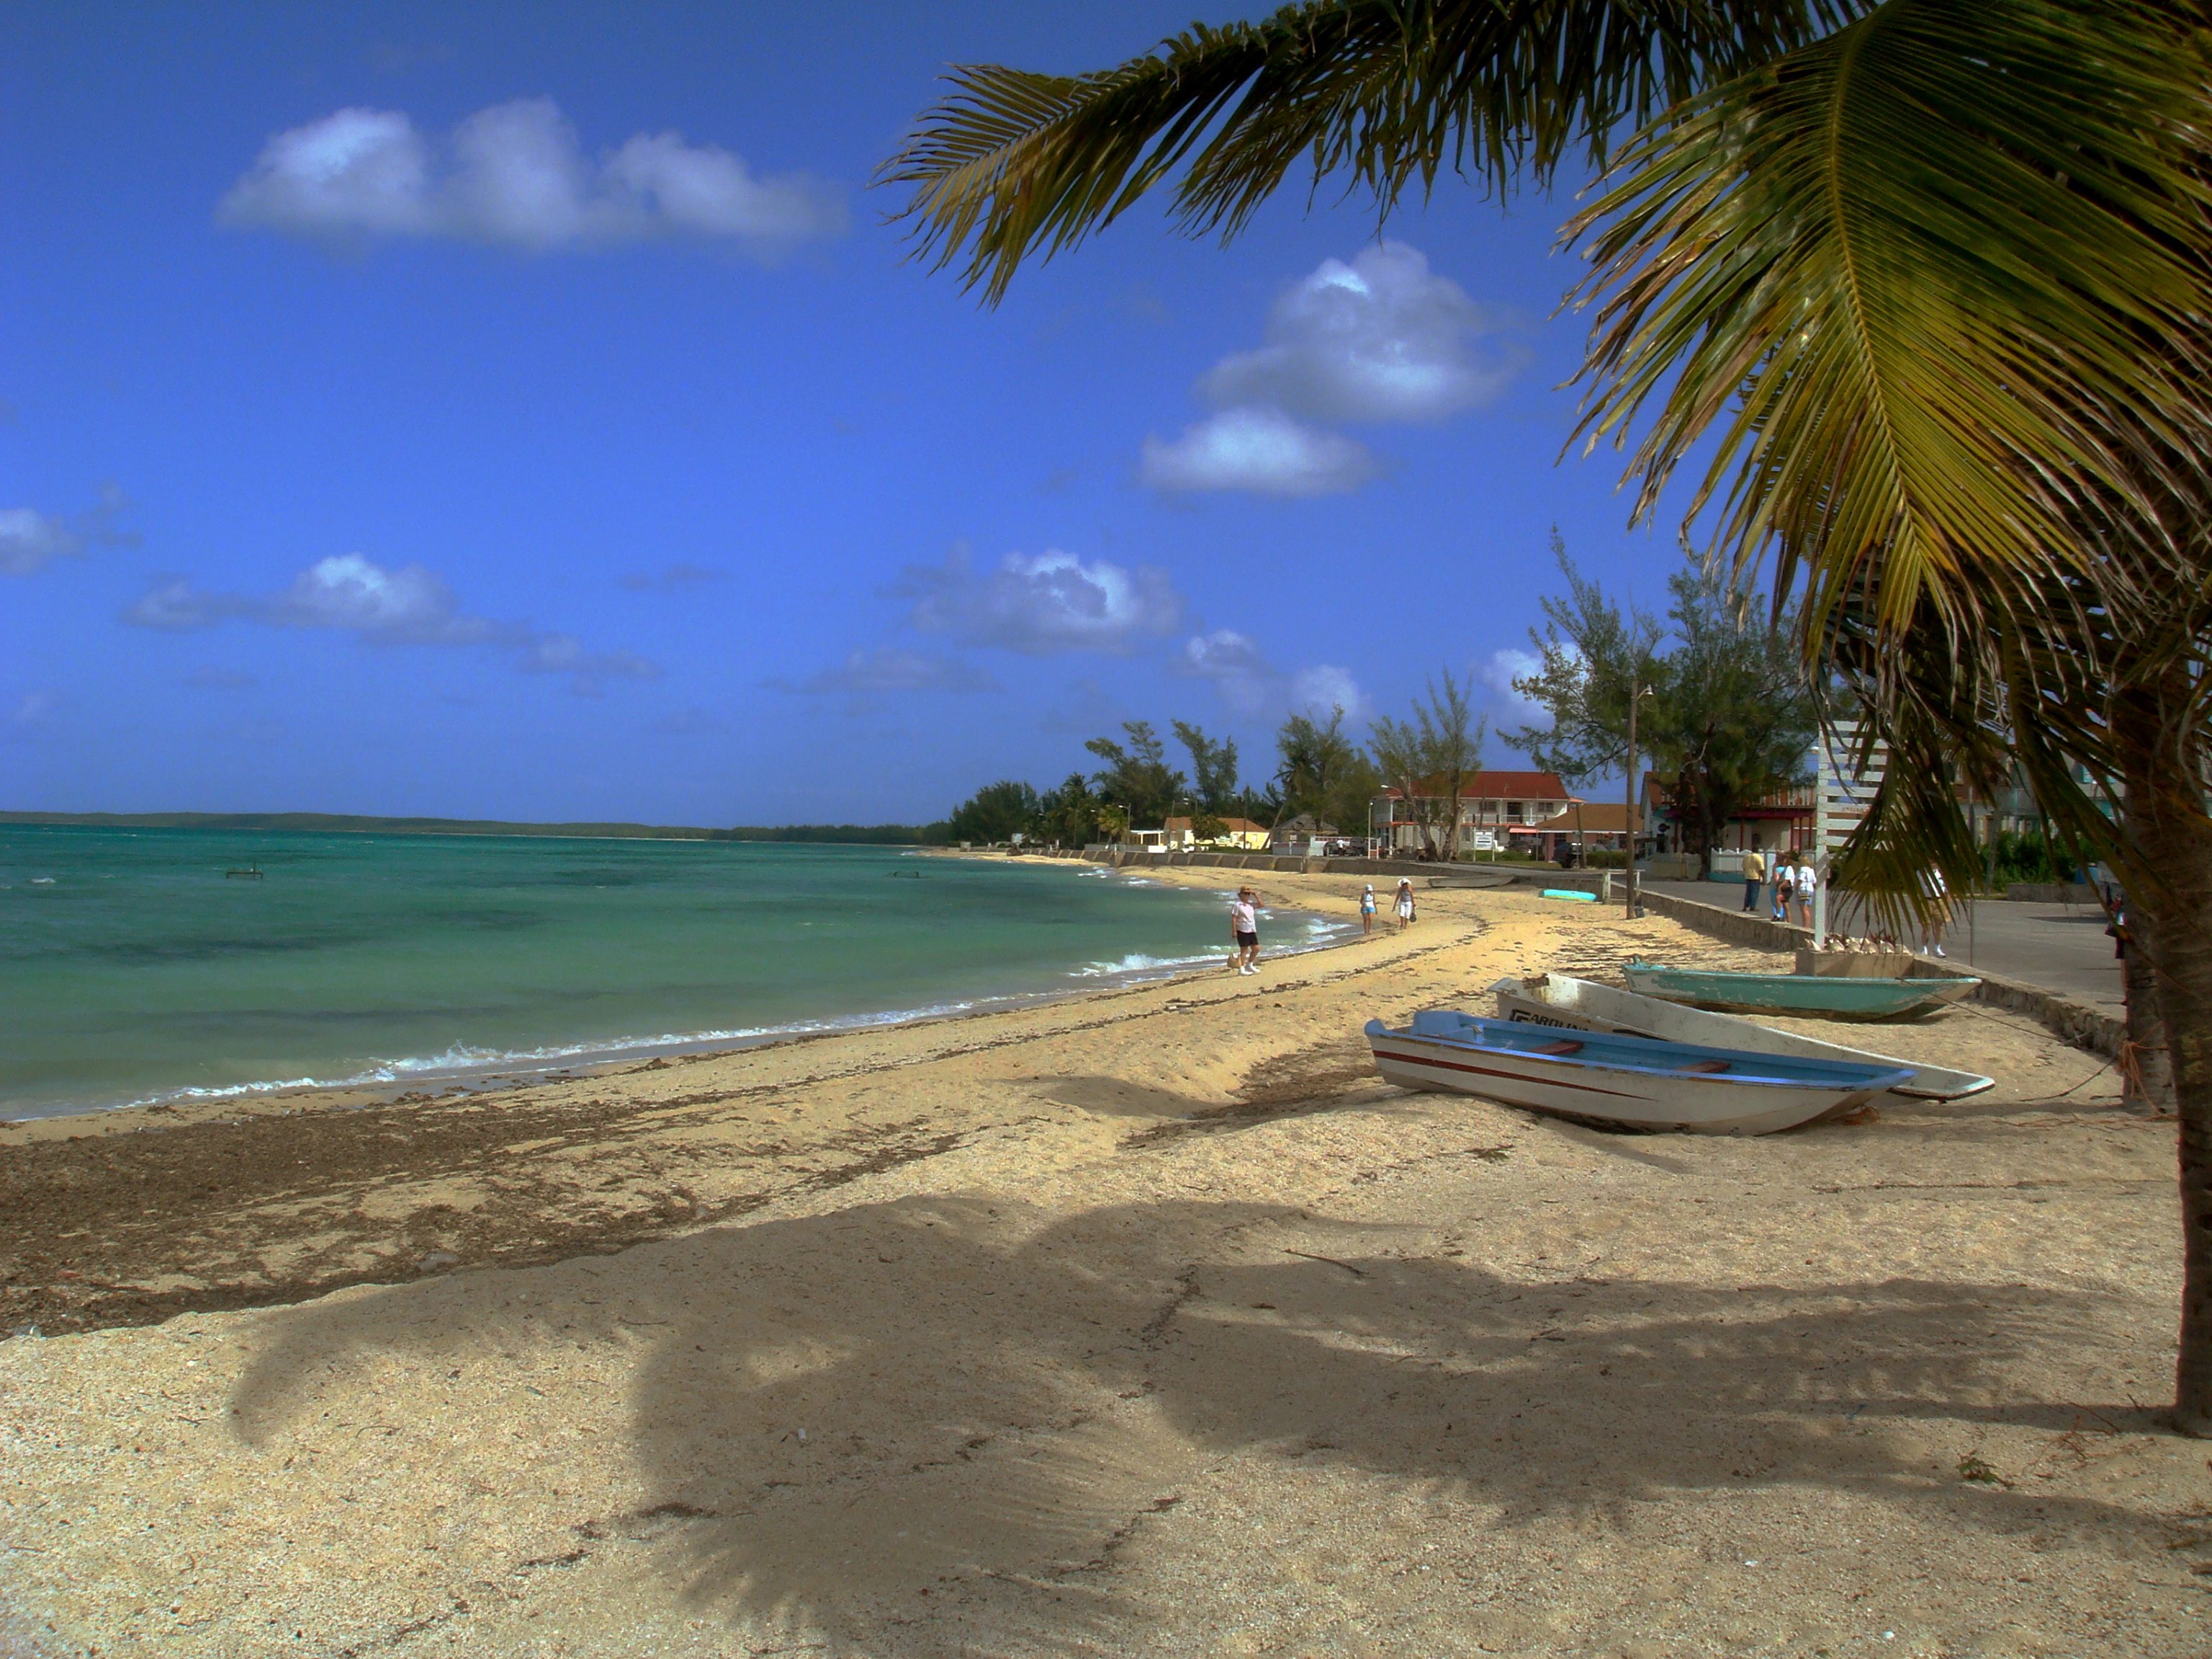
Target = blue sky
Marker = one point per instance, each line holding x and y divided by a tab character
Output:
526	412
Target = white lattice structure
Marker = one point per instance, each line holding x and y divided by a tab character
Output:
1841	796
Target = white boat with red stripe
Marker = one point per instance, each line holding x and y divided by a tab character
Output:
1622	1082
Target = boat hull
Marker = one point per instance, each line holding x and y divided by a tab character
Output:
1619	1096
1582	1005
1815	995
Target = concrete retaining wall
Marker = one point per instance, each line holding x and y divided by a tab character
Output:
2053	892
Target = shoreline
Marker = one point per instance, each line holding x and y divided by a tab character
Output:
426	1078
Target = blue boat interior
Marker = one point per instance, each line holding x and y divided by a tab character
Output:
1648	1055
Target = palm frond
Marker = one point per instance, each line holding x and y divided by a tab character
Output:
1933	284
1389	92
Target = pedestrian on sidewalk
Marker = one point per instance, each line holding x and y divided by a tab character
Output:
1785	883
1754	878
1802	885
1936	917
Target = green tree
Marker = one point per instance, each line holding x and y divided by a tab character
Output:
1207	828
997	812
1322	771
1212	770
1136	776
1729	715
1427	760
1069	814
1923	284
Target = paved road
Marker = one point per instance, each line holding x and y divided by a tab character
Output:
2062	948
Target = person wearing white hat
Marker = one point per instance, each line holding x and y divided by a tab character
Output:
1367	908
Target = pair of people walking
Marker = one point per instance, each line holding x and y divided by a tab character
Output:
1795	880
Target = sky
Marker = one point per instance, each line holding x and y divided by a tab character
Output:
533	412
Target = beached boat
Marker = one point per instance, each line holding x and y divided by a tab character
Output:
1831	996
1582	1005
1620	1082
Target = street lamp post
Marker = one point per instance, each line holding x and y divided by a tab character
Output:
1636	695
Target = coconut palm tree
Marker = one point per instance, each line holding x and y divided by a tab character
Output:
1929	277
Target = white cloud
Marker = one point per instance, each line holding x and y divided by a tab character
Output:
1249	684
1381	338
515	174
1261	449
347	593
1499	671
887	669
1041	605
407	606
31	540
1323	688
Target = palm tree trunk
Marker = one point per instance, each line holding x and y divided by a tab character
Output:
2146	1067
2172	840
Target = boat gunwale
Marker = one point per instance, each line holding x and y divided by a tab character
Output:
1871	1078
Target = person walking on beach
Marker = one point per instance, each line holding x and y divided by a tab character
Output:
1367	909
1405	905
1244	928
1803	885
1754	878
1785	881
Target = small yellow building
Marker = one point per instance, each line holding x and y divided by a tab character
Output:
1241	836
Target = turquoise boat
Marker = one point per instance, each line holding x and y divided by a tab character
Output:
1831	996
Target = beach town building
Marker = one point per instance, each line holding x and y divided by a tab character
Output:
1597	826
1238	835
1777	821
1304	836
1493	808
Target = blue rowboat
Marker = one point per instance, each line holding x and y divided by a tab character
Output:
1833	996
1561	1000
1621	1082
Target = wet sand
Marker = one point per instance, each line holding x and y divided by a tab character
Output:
1146	1321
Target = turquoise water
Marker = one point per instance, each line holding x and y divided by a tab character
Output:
132	970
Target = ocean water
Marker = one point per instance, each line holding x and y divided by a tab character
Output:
131	969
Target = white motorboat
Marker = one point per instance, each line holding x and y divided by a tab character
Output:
1583	1005
1620	1082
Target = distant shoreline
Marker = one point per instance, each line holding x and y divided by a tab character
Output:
830	835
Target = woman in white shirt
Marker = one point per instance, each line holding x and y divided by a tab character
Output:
1808	879
1933	920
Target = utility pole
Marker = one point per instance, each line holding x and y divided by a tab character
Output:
1637	693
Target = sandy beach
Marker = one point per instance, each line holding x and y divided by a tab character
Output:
1144	1322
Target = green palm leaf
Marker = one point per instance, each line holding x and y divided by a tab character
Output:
1932	286
1392	92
